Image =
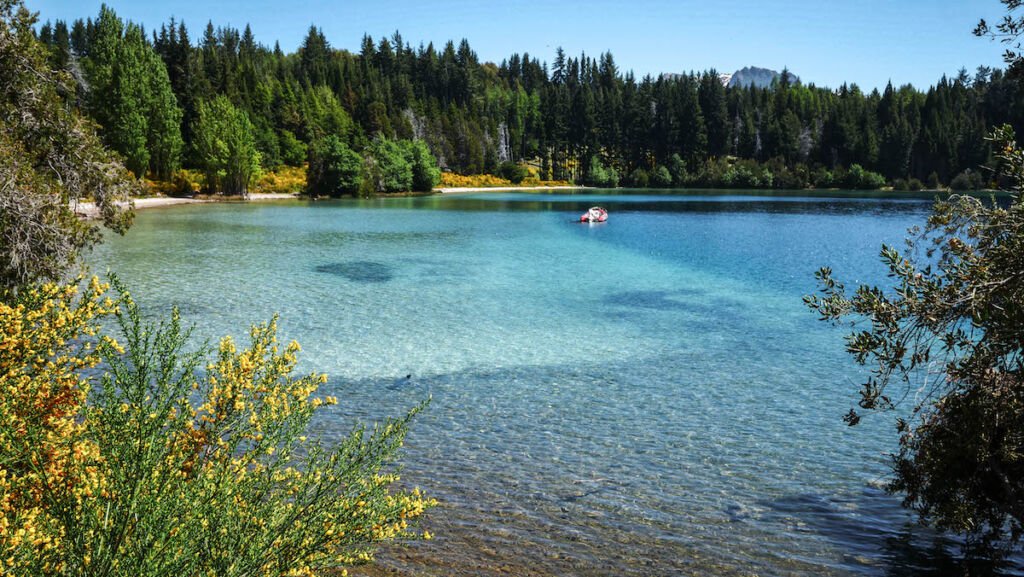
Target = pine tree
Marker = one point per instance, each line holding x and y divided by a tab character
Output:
225	147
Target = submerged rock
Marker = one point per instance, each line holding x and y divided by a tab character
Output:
359	271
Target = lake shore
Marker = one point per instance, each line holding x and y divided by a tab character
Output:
474	189
89	209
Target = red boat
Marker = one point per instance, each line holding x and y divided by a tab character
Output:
595	214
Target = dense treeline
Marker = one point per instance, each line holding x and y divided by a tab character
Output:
580	119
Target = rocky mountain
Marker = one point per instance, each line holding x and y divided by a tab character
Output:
752	75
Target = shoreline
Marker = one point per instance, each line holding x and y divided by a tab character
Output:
89	210
473	189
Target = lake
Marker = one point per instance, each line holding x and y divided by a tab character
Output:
647	396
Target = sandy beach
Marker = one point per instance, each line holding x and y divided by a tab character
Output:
89	210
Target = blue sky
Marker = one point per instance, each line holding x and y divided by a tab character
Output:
827	42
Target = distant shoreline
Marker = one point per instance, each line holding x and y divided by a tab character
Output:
470	189
89	209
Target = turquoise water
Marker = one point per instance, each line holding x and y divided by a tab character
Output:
647	396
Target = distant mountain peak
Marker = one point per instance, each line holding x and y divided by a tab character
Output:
754	76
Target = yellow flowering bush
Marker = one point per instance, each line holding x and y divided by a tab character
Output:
143	459
453	180
285	179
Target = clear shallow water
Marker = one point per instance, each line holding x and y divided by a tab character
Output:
644	397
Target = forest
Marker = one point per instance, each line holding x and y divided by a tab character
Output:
392	116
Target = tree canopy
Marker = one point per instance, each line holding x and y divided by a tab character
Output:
948	337
125	449
50	160
475	116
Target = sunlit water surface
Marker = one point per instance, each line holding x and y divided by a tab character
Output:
647	396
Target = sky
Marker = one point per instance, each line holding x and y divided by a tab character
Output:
825	42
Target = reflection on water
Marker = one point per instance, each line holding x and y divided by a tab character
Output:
647	397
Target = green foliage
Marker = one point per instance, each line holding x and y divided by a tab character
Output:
425	172
387	167
660	177
334	168
639	178
967	180
857	178
912	185
323	115
601	176
733	173
948	335
131	97
512	172
677	169
293	150
470	114
225	147
176	462
50	160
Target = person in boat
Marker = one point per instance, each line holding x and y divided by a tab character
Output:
595	214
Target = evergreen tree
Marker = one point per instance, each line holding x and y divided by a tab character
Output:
225	147
711	97
425	172
474	116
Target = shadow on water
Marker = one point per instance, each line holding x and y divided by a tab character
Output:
360	271
496	521
868	530
654	299
688	201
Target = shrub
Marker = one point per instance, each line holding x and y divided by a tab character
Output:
677	168
639	179
425	172
156	468
787	179
660	177
933	181
512	172
334	168
822	178
454	180
182	183
286	179
601	176
915	185
967	180
386	167
860	178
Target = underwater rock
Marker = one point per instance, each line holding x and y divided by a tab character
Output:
363	271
